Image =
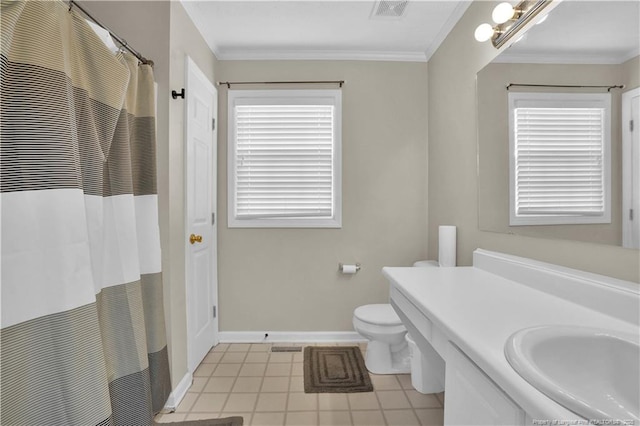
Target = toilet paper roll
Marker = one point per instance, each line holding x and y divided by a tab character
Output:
349	269
447	246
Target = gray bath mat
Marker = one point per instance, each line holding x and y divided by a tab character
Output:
335	369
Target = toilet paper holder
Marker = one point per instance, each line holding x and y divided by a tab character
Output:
348	269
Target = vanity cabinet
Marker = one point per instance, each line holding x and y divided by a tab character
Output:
467	314
473	398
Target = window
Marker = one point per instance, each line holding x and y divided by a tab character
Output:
559	146
284	158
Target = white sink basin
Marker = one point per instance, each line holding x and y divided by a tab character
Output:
594	373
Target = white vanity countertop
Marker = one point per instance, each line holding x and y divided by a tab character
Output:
478	311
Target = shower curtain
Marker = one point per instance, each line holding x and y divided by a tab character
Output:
82	324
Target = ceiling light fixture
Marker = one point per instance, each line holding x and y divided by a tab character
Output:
509	19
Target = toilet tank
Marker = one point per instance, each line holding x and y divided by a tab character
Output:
426	264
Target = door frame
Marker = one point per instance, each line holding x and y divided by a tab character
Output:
191	68
627	167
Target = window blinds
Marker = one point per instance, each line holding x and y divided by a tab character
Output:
284	161
559	161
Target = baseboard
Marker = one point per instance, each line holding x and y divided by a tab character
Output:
289	336
178	393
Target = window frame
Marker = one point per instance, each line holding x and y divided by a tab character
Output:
285	97
560	100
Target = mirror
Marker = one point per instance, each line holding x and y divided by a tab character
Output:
579	43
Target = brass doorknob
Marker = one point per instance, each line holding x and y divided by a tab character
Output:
193	238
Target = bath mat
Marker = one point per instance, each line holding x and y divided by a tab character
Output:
335	369
226	421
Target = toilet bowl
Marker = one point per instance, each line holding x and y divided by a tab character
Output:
387	349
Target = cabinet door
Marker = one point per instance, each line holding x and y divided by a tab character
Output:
473	398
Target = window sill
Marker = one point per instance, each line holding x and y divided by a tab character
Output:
559	220
284	223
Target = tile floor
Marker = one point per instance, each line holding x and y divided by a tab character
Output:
267	388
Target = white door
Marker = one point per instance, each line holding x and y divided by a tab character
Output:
631	169
201	252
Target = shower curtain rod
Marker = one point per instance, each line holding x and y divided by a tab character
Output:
621	86
123	43
229	83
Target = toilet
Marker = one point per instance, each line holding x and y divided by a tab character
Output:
387	348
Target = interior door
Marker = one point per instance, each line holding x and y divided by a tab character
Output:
631	169
201	245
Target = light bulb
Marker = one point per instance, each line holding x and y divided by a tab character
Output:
502	13
483	32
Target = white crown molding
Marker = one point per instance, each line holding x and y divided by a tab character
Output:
289	336
561	59
460	9
213	47
320	55
629	55
192	11
238	54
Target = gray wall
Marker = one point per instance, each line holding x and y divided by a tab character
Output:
287	279
453	181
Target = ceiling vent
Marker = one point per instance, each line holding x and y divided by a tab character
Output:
385	9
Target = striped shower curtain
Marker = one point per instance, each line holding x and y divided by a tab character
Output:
82	325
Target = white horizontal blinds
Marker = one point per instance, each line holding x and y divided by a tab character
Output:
284	161
559	161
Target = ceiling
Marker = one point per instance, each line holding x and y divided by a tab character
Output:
581	32
328	29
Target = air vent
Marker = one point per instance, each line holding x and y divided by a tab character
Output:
389	9
286	349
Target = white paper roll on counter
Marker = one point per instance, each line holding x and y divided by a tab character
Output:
349	269
447	246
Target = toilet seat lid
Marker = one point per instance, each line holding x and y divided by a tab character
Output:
379	314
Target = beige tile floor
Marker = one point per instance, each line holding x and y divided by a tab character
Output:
267	388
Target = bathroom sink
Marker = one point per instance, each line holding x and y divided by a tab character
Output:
593	372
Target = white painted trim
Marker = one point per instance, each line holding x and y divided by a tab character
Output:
607	295
176	395
559	100
327	55
460	9
505	58
193	11
628	240
194	77
628	56
289	336
319	55
284	97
